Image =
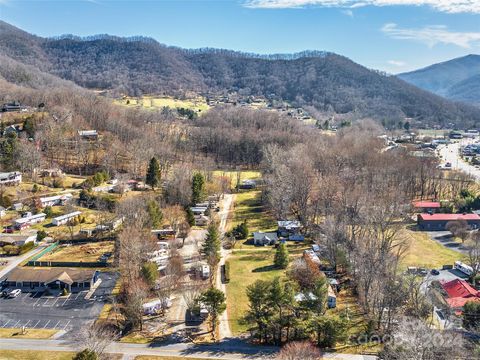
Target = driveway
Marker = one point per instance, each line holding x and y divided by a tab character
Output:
224	326
15	261
445	238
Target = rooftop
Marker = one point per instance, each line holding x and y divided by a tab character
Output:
426	204
449	217
66	275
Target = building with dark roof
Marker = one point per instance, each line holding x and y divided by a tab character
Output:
438	222
33	279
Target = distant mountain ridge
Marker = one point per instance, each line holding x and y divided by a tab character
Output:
331	85
457	79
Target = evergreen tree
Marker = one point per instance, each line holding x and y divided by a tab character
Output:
214	301
86	355
212	244
155	214
190	216
198	188
150	273
281	257
153	173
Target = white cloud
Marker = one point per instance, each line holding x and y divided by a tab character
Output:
448	6
433	35
396	63
348	13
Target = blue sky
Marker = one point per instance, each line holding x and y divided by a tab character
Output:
389	35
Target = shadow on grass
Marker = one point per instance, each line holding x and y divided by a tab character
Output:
264	269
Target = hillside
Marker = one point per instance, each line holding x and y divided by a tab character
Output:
457	79
334	85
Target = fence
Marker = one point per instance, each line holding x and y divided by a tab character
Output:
44	251
87	240
68	264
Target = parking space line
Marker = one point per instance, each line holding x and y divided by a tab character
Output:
16	323
36	302
6	323
46	324
56	324
66	324
34	326
26	324
68	297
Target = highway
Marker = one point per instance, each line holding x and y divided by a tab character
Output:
450	153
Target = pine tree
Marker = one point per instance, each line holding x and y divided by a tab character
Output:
281	257
211	246
198	188
153	173
214	301
155	214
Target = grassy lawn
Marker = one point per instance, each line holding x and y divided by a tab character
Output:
425	252
35	355
89	252
248	206
30	333
244	175
153	357
198	104
248	264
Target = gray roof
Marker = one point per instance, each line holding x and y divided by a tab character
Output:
260	236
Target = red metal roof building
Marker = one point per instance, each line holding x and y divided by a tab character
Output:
459	293
438	222
427	205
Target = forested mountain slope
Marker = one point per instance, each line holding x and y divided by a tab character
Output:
333	84
457	79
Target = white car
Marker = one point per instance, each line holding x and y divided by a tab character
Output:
14	293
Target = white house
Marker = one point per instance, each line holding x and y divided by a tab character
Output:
261	238
17	239
199	210
63	219
288	227
10	178
88	134
55	200
25	222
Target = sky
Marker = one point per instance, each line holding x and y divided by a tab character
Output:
388	35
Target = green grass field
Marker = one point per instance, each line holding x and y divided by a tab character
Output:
249	263
425	252
249	207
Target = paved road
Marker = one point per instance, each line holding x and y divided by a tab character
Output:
19	259
229	349
224	327
450	153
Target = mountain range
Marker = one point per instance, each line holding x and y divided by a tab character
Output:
457	79
332	84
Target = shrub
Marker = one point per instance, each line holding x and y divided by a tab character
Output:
26	247
41	234
86	355
35	188
64	292
48	211
227	271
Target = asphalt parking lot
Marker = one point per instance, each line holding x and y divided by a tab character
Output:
35	311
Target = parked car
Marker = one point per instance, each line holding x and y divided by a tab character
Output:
8	229
14	293
422	271
5	292
435	272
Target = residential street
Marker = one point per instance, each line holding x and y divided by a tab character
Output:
229	349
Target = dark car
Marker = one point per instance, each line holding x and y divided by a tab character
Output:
5	292
435	272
